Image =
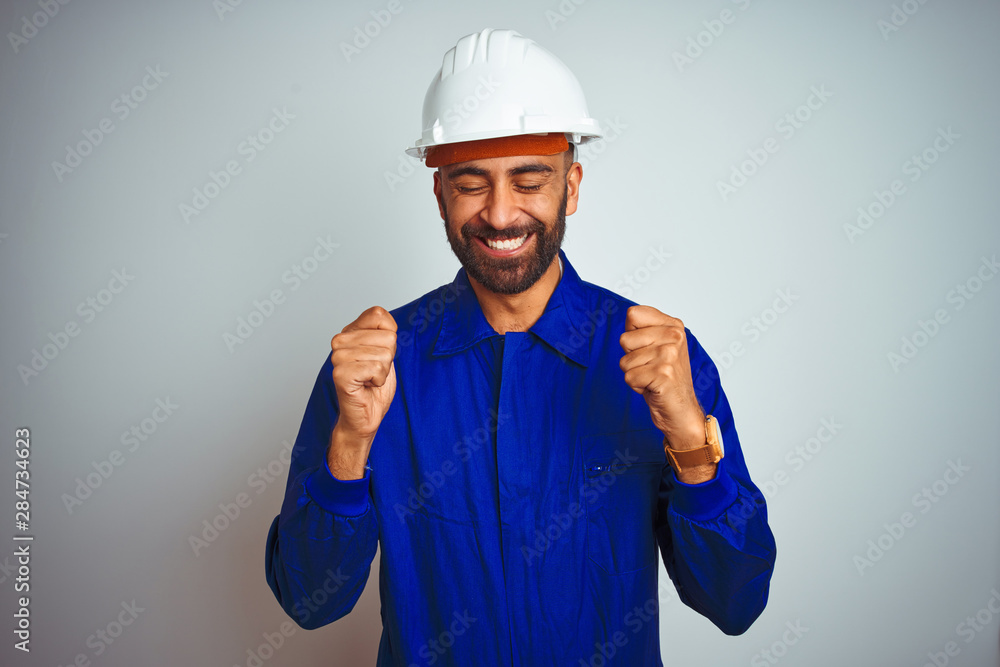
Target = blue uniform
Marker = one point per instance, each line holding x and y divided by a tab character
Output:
518	490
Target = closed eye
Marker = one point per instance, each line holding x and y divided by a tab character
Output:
471	190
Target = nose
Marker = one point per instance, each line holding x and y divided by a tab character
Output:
501	209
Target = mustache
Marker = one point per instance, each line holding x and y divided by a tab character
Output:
491	234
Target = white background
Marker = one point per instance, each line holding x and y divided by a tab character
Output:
676	130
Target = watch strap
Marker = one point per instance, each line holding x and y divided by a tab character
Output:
683	459
709	453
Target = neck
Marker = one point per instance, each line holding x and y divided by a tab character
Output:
518	312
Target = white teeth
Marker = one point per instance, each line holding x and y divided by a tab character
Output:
506	245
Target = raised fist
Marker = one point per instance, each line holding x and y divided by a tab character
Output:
364	373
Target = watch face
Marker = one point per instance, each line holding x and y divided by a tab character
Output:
715	434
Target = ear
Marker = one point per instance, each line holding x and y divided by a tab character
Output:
573	177
437	193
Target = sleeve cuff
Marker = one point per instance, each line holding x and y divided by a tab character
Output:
337	496
707	500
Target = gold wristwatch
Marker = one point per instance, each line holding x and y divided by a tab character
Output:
711	452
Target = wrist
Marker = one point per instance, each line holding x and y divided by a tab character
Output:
345	438
347	454
688	435
698	474
696	464
691	439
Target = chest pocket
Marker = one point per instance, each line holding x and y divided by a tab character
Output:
620	485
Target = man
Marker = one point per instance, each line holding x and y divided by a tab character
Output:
485	434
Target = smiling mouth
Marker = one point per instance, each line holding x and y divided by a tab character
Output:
507	244
502	248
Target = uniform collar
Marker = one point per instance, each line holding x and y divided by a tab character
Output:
463	323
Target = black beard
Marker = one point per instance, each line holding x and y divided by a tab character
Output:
508	275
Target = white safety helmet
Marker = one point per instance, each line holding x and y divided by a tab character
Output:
496	83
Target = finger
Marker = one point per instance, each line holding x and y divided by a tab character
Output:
358	337
375	317
638	379
361	374
637	317
362	353
636	358
638	338
666	365
380	373
652	377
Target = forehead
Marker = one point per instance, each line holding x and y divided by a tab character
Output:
497	167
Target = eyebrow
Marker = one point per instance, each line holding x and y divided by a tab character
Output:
532	168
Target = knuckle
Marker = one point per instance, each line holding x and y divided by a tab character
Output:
384	339
338	374
381	318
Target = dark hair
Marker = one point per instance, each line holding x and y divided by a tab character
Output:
570	155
